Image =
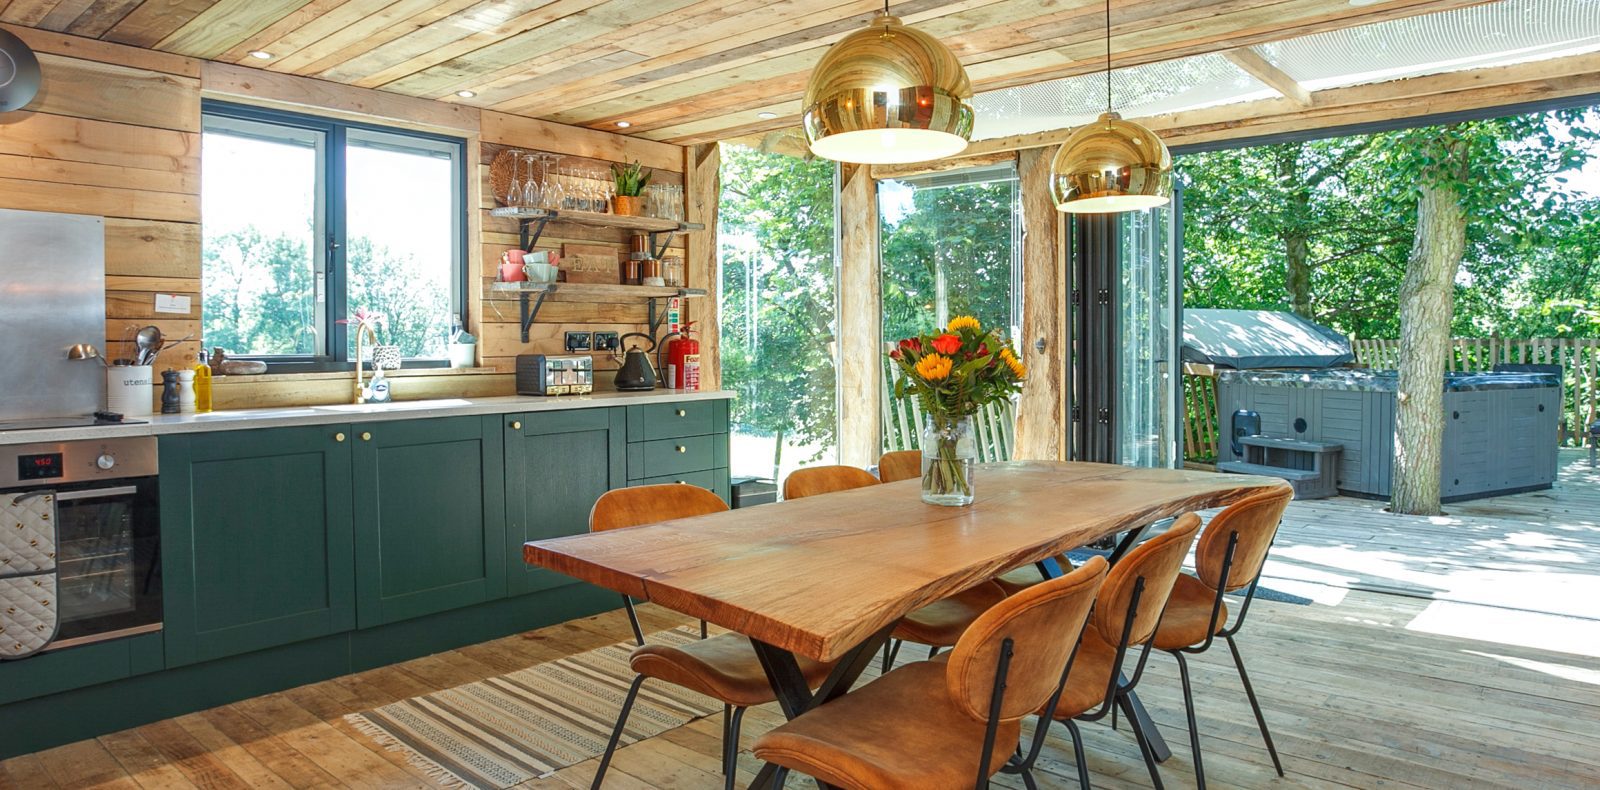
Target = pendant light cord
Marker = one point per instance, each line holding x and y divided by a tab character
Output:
1108	55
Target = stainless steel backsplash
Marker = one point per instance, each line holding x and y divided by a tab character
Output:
52	295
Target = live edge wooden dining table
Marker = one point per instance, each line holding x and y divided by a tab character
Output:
827	577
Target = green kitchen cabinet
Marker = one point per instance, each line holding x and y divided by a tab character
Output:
429	516
557	464
257	539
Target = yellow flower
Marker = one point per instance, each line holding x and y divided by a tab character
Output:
934	367
1017	368
961	322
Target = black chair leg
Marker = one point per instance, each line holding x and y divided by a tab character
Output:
933	650
1027	780
1249	691
704	631
1144	745
1077	753
616	734
891	649
1194	728
730	749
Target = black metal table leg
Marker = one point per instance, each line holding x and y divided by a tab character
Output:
794	694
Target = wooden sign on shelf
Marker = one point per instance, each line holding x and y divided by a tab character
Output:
590	263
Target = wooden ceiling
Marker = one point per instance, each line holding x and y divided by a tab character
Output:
682	71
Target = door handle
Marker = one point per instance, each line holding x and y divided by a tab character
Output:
682	449
366	437
683	413
516	425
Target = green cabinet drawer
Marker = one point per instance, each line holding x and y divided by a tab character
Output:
712	479
673	420
672	456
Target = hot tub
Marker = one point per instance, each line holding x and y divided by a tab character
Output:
1500	429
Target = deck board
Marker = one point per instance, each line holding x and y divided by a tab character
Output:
1366	685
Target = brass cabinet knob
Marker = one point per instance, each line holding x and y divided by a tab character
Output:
338	437
681	482
516	425
366	437
682	449
683	413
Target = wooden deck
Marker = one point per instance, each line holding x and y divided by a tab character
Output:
1452	652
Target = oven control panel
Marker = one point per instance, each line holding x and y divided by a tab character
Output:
46	464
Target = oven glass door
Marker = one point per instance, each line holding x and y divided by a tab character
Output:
108	560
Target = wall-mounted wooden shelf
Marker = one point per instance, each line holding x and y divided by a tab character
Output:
598	292
531	223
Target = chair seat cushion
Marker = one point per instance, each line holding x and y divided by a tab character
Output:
1187	619
943	622
1024	576
899	731
724	667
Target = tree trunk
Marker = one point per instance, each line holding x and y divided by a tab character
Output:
1426	304
1297	279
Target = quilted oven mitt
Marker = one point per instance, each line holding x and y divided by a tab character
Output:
28	579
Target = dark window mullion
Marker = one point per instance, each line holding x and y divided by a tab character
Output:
338	248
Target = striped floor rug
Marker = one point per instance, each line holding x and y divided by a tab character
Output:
508	729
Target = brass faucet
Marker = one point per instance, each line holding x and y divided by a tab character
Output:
363	331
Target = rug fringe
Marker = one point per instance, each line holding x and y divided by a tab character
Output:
434	771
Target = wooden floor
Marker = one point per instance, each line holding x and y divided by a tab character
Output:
1435	653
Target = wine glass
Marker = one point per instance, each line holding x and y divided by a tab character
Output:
531	194
513	195
554	191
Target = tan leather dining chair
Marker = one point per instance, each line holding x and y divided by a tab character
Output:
723	667
1229	557
939	624
954	722
900	465
1125	617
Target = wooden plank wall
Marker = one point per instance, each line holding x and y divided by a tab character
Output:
115	132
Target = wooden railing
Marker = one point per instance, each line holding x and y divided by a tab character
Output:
995	424
1579	359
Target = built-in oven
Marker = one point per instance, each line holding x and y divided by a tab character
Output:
102	498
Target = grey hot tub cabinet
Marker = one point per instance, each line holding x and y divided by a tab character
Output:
1500	431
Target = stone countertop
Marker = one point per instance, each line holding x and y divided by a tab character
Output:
161	424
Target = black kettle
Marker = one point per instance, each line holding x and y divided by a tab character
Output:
636	373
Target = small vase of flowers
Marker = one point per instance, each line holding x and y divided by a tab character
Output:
952	375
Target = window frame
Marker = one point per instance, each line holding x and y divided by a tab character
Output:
331	223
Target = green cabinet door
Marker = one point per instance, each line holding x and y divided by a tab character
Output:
429	516
557	465
257	543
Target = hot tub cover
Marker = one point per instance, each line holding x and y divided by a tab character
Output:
1247	339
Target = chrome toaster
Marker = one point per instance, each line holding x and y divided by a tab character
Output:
547	374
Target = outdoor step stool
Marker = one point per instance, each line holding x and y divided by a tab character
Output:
1312	468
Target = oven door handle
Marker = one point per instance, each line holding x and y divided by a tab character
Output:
97	493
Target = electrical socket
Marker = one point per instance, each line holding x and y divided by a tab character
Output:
605	341
577	341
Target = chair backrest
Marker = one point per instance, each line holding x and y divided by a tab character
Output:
630	507
1043	623
825	480
1158	561
1255	519
900	465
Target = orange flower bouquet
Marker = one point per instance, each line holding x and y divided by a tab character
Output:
951	375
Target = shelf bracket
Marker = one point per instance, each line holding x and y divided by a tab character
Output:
528	240
530	312
659	241
656	320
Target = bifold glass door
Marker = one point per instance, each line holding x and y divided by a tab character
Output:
1148	321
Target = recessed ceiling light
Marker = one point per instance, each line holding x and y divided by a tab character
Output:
466	94
623	124
261	55
766	116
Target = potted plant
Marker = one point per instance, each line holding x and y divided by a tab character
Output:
631	180
953	374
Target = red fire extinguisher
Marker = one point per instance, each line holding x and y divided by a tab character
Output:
683	360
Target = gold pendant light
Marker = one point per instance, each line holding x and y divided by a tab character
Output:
888	94
1111	165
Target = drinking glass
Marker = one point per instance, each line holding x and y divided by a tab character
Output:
530	188
513	195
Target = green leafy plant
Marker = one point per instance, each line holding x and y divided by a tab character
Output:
631	179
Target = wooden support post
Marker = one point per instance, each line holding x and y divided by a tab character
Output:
703	186
860	347
1041	414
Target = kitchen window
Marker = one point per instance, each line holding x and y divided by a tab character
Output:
308	220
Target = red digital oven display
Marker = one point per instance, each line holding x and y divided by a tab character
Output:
44	466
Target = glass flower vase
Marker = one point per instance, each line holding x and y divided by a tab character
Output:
949	455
